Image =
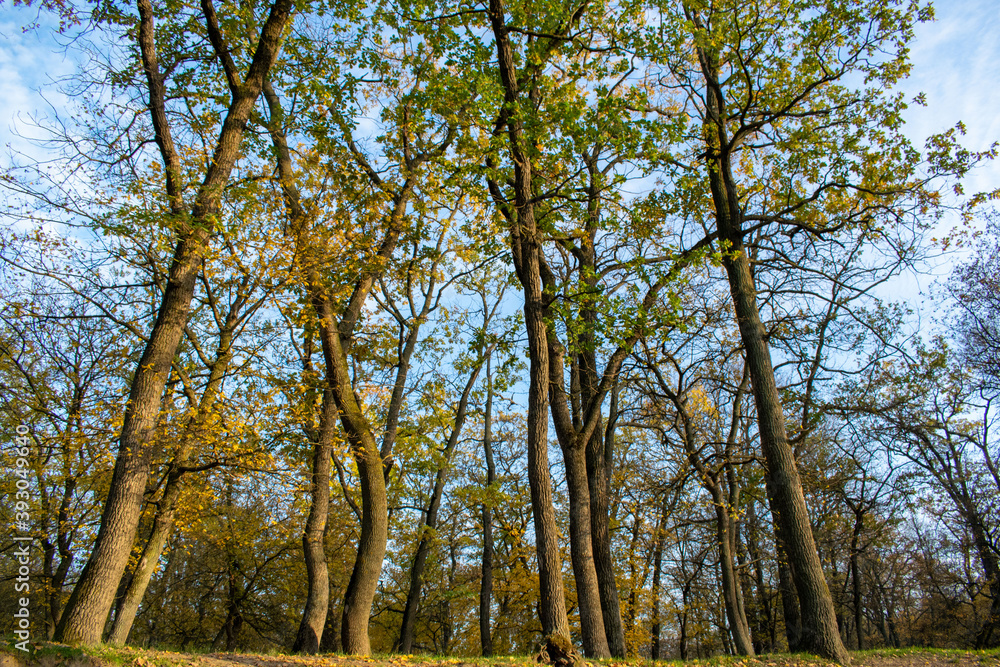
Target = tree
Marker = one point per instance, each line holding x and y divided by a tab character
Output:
89	605
338	309
975	288
925	411
782	143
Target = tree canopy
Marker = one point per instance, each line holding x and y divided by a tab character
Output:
476	327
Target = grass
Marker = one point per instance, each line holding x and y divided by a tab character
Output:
115	656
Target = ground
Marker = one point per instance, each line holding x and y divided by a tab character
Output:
55	655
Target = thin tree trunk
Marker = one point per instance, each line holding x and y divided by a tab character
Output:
57	577
486	569
856	573
712	481
765	619
448	631
600	464
658	542
991	569
734	612
374	506
633	602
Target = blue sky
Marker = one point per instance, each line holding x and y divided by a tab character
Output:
28	62
956	63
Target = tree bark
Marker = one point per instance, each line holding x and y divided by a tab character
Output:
162	527
87	610
486	569
310	632
633	602
789	598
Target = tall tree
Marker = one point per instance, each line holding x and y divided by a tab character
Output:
830	167
89	605
526	250
338	311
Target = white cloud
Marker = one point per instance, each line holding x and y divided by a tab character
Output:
29	62
955	63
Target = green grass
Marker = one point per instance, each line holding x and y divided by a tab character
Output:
163	656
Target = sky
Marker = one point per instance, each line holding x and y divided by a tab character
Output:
29	62
956	63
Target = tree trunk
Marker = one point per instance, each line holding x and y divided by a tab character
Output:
991	569
448	631
57	577
87	610
526	251
595	643
858	611
136	590
486	569
819	623
588	597
374	503
734	611
765	618
600	462
310	632
633	602
786	577
856	573
658	541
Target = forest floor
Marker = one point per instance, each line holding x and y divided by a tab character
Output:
55	655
